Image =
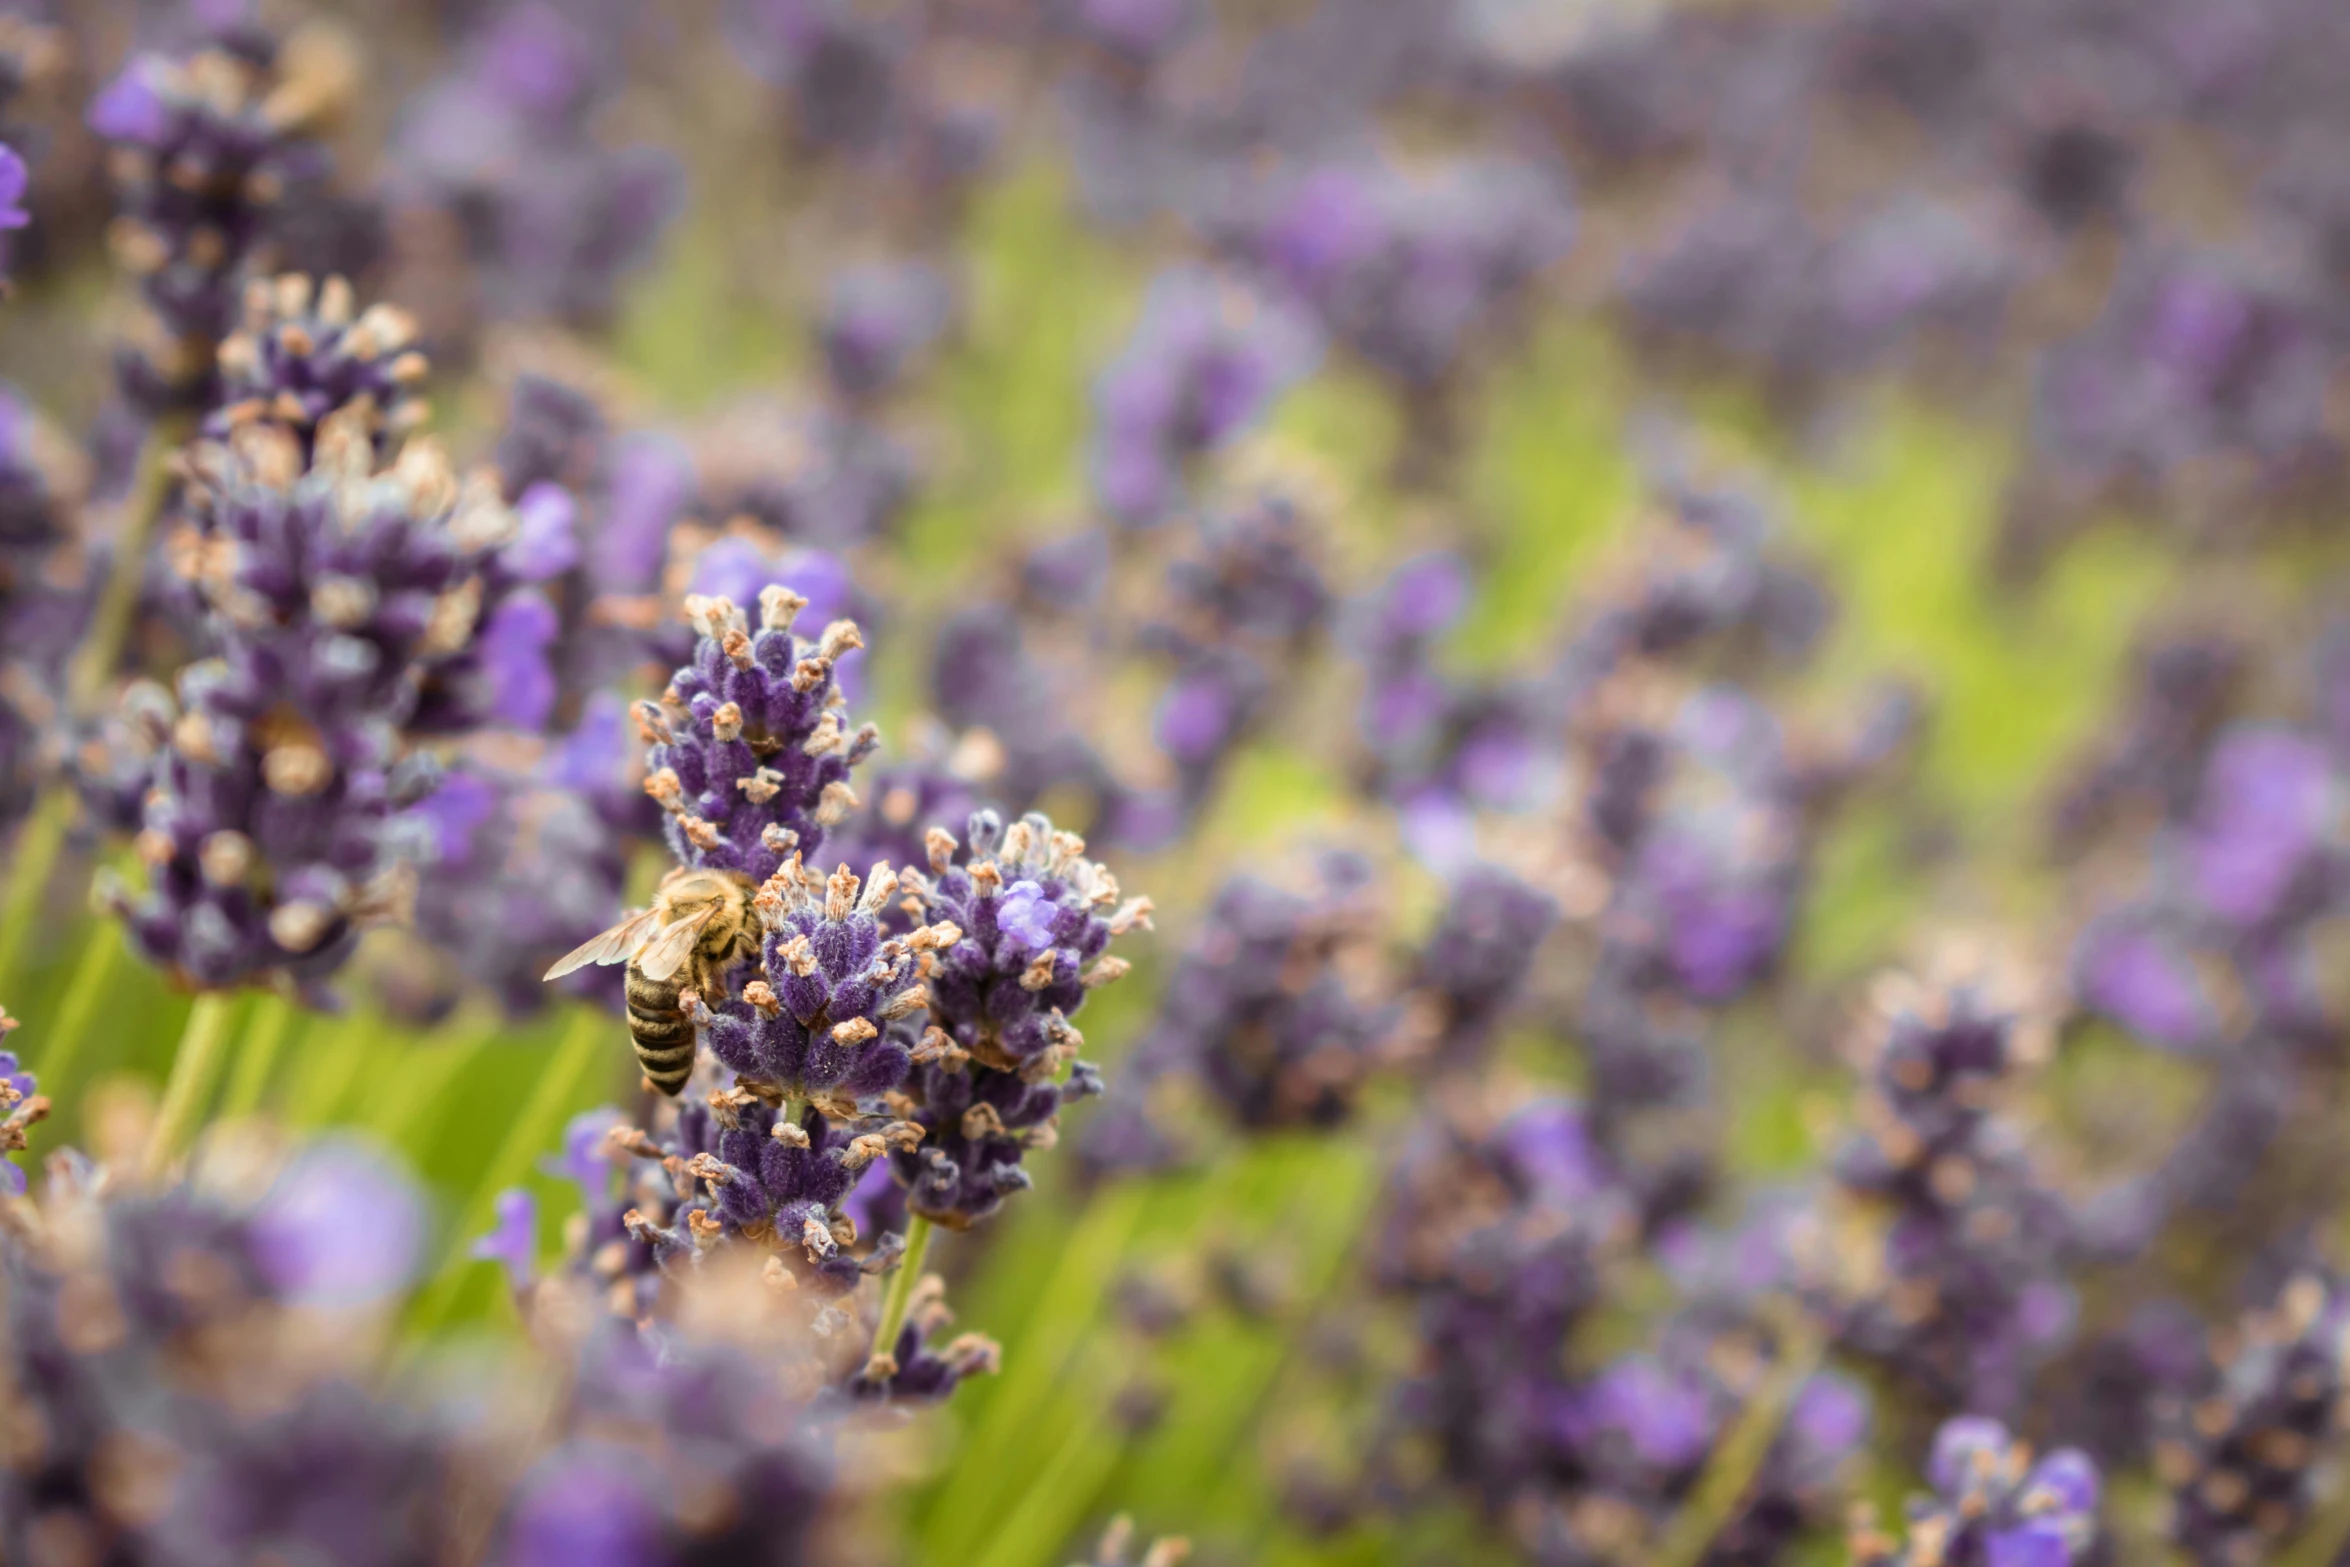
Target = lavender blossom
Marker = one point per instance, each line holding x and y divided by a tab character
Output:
1955	1286
1207	358
1244	606
835	1014
206	149
1476	960
1265	1006
878	320
749	756
2238	1445
552	217
511	874
1992	1504
303	351
338	593
1034	919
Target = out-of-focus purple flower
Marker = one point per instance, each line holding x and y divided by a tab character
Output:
584	1159
877	322
505	140
209	147
1990	1507
1262	1008
546	543
1207	358
514	648
2270	802
513	1240
587	1508
15	180
343	1226
1407	267
2146	979
2239	1443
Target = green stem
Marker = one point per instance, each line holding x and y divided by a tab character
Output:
195	1071
271	1028
1729	1473
532	1132
110	621
38	844
69	1031
901	1293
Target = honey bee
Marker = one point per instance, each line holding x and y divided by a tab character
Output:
700	925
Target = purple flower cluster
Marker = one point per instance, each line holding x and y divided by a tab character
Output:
303	351
749	756
1207	358
1476	961
1441	749
206	149
354	606
1267	1007
2237	1444
44	599
513	870
1953	1281
1504	1230
506	145
1034	920
1992	1504
1244	606
835	1016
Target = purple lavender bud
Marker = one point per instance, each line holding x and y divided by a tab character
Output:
2239	1446
512	874
1407	268
835	1012
927	1370
546	544
1968	1230
681	1454
1262	1007
346	604
516	669
15	180
588	1507
303	351
2270	803
2145	978
513	1241
342	1227
1206	359
1034	919
1477	958
1989	1507
554	434
877	323
207	149
749	756
554	216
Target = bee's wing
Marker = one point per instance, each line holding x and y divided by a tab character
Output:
666	953
616	945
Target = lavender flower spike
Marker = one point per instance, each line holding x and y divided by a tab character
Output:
1992	1505
749	756
1034	920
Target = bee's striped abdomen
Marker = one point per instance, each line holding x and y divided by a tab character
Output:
664	1039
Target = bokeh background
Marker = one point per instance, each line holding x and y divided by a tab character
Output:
2014	328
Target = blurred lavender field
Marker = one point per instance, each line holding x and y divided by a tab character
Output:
1552	781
